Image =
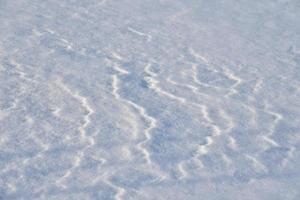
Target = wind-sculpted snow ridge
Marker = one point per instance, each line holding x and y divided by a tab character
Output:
151	122
82	129
149	37
216	131
150	99
154	84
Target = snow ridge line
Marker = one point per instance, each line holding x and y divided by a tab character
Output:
227	72
150	120
203	149
17	69
216	131
115	89
86	106
237	80
120	192
182	171
149	37
232	90
231	140
194	75
278	117
153	84
141	110
105	178
233	144
197	55
82	129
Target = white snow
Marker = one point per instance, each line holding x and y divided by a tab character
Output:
150	99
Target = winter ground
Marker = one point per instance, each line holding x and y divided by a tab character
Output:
150	99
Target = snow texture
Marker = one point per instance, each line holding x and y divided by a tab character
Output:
150	99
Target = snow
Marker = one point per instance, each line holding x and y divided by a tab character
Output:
150	99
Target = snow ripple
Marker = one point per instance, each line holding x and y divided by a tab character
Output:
149	100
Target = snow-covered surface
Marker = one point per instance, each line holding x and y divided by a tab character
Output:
150	99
